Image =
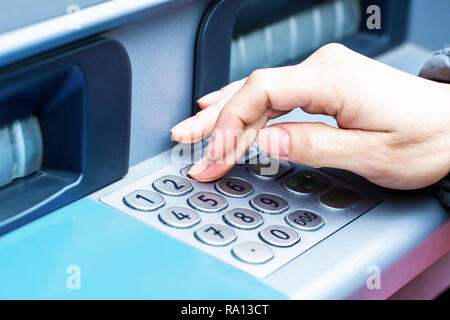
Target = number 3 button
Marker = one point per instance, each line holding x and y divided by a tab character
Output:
208	201
179	217
279	236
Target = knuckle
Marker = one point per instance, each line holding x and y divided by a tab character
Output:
257	77
332	50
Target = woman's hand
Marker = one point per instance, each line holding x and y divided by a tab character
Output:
394	128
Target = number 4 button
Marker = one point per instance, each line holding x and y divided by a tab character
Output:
179	217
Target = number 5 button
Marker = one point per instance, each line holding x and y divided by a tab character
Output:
208	201
172	185
279	236
179	217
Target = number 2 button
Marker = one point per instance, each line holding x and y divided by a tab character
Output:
172	185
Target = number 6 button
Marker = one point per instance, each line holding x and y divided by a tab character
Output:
269	203
279	236
208	201
172	185
234	187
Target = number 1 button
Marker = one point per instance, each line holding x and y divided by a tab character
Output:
144	200
208	201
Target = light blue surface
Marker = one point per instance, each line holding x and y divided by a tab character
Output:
119	258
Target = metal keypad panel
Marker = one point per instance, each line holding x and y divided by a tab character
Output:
257	224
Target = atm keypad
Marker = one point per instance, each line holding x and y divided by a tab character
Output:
253	220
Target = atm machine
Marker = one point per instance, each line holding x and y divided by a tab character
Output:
95	202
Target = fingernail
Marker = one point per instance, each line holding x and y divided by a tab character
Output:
211	98
274	141
200	166
184	125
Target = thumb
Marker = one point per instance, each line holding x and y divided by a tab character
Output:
319	145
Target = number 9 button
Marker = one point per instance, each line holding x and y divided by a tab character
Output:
242	218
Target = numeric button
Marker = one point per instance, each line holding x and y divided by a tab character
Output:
269	203
144	200
242	218
208	201
185	171
305	182
215	234
305	220
279	236
179	217
234	187
172	185
252	252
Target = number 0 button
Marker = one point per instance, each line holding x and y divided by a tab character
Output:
144	200
279	236
269	203
234	187
179	217
215	234
208	201
172	185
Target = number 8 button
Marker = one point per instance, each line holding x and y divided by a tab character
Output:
243	218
